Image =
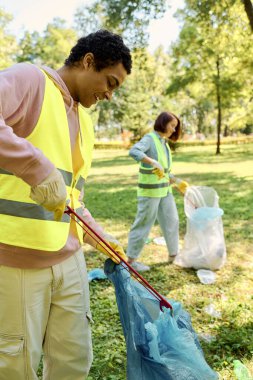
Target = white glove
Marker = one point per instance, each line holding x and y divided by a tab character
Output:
156	164
51	194
175	180
172	178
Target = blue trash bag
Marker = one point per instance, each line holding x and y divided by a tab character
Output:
160	346
203	215
96	274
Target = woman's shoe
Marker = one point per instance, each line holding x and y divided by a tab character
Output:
139	267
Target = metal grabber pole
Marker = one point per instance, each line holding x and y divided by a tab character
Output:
73	215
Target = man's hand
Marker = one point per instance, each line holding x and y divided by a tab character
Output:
101	247
51	194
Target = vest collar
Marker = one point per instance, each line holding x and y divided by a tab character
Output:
160	138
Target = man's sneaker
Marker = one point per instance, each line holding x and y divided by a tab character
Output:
139	267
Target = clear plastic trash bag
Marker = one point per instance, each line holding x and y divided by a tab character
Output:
204	244
160	346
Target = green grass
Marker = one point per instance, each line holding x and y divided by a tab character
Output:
111	197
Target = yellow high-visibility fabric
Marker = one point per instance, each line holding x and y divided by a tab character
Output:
149	185
23	222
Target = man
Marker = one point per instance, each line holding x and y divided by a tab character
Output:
46	141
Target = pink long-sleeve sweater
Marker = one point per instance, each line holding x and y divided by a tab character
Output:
21	96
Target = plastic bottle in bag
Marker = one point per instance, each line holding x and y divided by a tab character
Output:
241	371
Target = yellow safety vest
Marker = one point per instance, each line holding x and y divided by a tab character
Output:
149	185
23	223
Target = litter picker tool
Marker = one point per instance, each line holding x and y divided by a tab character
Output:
79	220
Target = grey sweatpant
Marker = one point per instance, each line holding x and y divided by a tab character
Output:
149	209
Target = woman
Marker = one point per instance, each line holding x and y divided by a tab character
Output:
155	199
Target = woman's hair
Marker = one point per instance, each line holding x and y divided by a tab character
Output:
108	49
161	124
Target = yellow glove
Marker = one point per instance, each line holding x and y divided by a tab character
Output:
51	194
101	247
59	211
182	186
158	172
158	169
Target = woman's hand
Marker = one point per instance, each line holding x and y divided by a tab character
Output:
158	169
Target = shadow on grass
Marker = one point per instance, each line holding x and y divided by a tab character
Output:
206	155
202	155
119	161
106	202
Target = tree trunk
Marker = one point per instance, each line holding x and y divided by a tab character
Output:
218	106
226	131
249	10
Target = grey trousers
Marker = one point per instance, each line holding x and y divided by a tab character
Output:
149	209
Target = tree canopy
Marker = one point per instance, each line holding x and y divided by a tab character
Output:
8	46
205	76
129	18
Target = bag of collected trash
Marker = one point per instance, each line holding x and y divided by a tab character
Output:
204	244
160	345
96	274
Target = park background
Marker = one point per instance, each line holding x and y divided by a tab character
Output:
204	75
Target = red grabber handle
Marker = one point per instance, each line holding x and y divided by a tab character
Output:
163	301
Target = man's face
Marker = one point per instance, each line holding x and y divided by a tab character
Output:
92	86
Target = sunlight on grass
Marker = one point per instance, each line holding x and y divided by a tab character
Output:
236	169
111	197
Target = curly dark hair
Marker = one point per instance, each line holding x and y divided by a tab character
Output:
108	49
161	123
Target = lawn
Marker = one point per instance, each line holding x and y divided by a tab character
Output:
111	197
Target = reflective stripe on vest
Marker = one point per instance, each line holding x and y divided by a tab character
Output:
149	185
23	222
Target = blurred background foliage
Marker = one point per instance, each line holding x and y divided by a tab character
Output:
205	76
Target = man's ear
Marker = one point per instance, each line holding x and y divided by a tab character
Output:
88	61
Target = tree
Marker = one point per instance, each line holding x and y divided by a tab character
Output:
214	52
30	48
8	46
249	11
128	18
50	48
135	105
144	91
